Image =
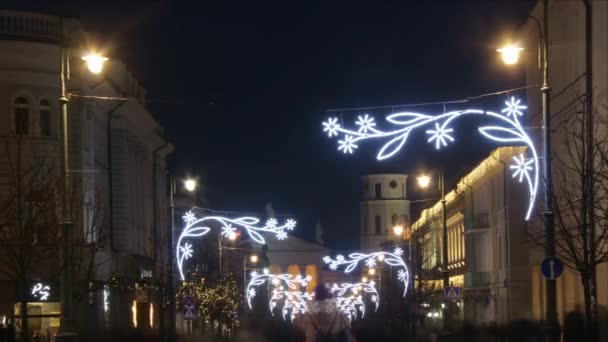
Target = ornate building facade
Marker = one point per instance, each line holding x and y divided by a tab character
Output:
117	168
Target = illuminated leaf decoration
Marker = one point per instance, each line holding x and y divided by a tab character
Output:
278	279
392	259
505	127
197	227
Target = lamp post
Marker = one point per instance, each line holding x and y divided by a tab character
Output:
67	331
511	53
190	185
424	181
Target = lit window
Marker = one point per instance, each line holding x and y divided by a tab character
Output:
22	116
45	118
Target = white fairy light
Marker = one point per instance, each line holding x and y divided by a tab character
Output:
505	128
106	298
198	227
392	259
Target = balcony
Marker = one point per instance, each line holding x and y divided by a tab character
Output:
30	26
477	279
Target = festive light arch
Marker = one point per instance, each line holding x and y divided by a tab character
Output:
348	297
198	227
371	260
506	129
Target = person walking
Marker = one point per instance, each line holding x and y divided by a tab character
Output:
324	322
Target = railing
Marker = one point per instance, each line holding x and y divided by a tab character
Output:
477	279
32	26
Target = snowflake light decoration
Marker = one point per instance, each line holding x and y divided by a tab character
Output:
292	283
349	297
504	127
392	259
522	167
197	227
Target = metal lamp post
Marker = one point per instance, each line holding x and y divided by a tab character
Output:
67	331
190	185
510	56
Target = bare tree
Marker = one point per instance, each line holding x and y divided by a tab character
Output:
581	169
30	222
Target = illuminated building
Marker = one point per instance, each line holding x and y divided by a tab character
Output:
117	166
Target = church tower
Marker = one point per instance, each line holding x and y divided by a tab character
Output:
383	205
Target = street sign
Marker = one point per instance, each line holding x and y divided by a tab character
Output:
451	293
552	267
189	308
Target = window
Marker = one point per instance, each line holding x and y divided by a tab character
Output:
22	116
378	190
393	184
378	225
45	118
394	219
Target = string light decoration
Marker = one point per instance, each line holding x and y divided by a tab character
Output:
349	297
392	259
507	128
198	227
278	280
294	302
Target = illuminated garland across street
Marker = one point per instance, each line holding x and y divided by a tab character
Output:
371	260
197	227
505	128
349	297
278	280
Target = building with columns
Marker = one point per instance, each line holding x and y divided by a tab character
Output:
383	205
117	153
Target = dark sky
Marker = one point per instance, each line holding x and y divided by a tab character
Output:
242	87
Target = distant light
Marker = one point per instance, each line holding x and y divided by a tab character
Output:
381	257
232	236
94	62
510	54
190	184
424	181
398	230
371	271
253	258
364	279
151	315
134	314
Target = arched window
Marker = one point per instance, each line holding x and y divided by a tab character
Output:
394	219
45	118
22	116
378	224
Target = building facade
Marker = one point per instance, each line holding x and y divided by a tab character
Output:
568	79
383	205
487	243
118	174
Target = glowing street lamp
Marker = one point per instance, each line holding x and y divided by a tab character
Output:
190	184
510	53
398	230
253	258
424	181
94	62
371	271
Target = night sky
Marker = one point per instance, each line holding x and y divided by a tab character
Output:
242	88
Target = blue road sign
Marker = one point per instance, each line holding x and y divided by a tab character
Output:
451	293
552	267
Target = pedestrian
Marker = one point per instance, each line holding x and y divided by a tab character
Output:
324	322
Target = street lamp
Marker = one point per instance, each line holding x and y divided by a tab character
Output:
548	212
424	181
94	62
398	230
190	185
67	330
253	258
510	53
